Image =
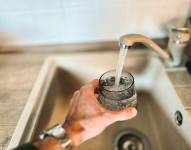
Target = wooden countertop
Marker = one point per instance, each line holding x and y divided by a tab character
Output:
18	73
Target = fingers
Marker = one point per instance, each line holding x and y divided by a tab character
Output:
121	115
101	121
80	95
95	83
74	98
90	88
73	104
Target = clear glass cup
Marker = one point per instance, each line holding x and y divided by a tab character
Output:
117	98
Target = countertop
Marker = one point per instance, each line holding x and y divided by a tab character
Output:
18	72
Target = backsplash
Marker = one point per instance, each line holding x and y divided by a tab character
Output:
71	21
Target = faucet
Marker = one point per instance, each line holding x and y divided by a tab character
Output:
128	40
179	38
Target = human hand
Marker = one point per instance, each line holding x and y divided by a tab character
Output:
87	118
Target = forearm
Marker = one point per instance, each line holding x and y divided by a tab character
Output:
52	143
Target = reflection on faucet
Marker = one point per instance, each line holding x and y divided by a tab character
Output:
127	41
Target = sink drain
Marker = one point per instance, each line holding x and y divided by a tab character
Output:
131	140
178	118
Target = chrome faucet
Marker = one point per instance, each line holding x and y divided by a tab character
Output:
171	56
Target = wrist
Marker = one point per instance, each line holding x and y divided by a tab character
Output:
57	136
75	133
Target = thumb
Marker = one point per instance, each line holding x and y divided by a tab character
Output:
122	115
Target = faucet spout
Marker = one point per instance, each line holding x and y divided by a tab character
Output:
128	40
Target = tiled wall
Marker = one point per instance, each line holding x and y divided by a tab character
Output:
65	21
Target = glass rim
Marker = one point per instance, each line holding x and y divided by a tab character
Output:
122	73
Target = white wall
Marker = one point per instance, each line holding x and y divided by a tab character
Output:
65	21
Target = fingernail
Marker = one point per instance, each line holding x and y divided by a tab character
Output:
134	112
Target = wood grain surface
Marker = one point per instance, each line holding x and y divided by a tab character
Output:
18	73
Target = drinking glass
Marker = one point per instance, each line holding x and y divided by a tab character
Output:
120	97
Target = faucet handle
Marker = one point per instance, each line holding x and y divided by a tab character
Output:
179	35
178	40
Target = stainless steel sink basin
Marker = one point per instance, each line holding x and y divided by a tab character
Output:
154	128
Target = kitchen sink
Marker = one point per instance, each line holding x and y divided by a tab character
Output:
154	128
